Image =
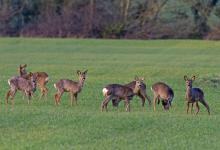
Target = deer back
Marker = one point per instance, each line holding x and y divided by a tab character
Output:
117	90
163	90
41	76
67	85
20	83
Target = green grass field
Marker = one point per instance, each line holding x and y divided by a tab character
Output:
42	125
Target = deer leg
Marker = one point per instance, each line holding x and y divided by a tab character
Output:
192	108
12	98
142	99
155	101
206	105
187	107
105	103
42	92
61	93
197	107
23	96
127	102
57	97
45	91
71	98
75	96
7	96
29	97
148	98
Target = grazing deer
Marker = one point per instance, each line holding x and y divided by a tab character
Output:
194	95
73	87
140	93
42	79
117	92
162	92
28	86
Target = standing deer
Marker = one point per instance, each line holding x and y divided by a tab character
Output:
194	95
140	93
73	87
117	92
162	92
28	86
42	79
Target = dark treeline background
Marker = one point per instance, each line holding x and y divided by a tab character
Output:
136	19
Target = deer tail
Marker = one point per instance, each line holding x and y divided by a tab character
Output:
105	91
9	82
55	85
151	88
47	79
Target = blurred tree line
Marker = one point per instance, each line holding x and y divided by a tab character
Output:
136	19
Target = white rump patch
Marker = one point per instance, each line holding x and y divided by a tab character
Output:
9	83
55	85
104	91
47	79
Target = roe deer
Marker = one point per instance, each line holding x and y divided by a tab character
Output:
73	87
117	92
194	95
140	93
164	93
28	86
42	79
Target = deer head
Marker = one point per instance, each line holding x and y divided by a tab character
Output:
138	84
22	69
82	75
189	81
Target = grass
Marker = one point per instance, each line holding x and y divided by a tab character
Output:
41	125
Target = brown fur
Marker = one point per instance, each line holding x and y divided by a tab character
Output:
162	92
118	92
28	86
41	77
194	95
73	87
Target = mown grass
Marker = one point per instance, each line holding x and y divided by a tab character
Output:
42	125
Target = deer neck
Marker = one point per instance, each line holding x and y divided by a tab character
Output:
188	92
80	83
136	89
23	73
32	84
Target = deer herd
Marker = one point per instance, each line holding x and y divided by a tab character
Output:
28	82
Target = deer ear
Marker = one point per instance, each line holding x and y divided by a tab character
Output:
136	78
85	72
193	77
78	72
142	78
25	65
185	77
